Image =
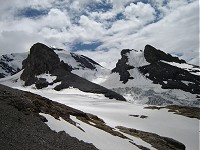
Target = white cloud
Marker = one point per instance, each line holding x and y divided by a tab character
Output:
68	22
91	30
107	59
143	12
56	19
176	33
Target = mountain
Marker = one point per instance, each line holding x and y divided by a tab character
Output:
148	76
81	65
154	77
10	64
90	112
43	60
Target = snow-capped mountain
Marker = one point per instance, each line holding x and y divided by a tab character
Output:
81	65
154	77
147	77
43	68
10	64
86	111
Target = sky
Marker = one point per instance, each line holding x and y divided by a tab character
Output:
100	29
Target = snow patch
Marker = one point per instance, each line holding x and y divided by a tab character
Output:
49	78
185	66
136	58
97	137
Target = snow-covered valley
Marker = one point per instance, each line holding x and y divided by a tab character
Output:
117	113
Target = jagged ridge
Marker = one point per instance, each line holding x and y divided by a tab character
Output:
43	59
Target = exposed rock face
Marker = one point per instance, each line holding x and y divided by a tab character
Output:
122	67
43	59
9	64
72	80
152	55
81	65
84	61
158	70
22	127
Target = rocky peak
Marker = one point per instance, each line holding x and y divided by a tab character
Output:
152	55
41	59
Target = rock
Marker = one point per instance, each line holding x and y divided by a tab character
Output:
43	59
8	65
122	67
41	83
176	144
160	71
152	55
84	61
72	80
157	141
22	130
61	86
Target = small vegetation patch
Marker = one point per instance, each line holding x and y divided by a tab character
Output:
158	142
100	124
191	112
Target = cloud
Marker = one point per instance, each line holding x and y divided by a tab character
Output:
177	33
105	27
143	12
9	41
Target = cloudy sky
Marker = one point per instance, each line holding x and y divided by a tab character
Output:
100	29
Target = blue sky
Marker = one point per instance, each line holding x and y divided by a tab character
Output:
102	28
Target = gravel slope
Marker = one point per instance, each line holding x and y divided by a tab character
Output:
23	129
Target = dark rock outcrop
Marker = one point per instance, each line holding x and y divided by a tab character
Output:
6	66
170	77
157	141
152	55
72	80
84	61
43	59
10	64
122	67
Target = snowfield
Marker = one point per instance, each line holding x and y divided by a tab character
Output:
141	90
79	70
114	113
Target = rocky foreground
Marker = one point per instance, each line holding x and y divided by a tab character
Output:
21	126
